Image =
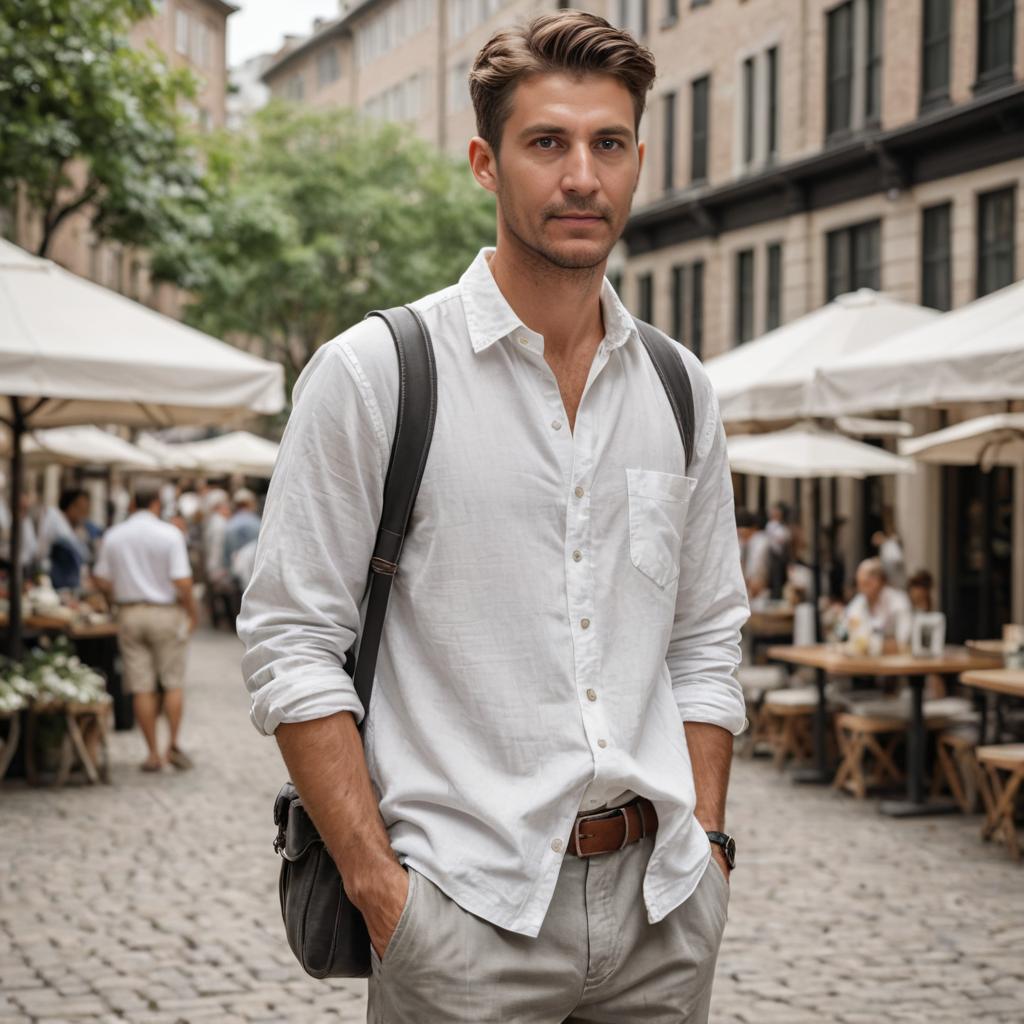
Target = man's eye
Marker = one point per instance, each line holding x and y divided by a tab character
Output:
544	142
608	145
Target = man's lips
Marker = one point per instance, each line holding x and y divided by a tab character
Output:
585	218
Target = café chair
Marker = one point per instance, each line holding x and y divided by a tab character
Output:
757	681
868	737
789	721
956	766
999	793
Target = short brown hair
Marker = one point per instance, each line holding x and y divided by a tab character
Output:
564	41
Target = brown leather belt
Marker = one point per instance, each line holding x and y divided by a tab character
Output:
608	831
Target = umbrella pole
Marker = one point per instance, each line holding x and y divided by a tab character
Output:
14	578
816	588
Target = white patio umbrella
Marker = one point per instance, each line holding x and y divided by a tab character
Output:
174	458
973	354
237	452
85	446
808	452
770	378
72	352
996	440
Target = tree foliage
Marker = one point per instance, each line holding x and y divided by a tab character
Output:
88	121
316	217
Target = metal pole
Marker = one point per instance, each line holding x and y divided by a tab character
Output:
14	585
816	588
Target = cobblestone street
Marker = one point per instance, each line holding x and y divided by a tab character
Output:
154	899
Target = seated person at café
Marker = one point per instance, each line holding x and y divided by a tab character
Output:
755	556
877	607
919	590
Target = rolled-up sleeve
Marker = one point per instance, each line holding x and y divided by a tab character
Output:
711	607
300	612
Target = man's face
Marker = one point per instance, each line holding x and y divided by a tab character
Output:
568	167
78	510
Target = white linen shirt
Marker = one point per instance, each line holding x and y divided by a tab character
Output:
566	598
141	557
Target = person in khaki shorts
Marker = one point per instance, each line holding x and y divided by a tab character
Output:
143	567
532	820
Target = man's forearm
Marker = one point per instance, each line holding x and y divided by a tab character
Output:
711	758
326	763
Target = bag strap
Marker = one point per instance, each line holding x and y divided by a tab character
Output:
675	380
417	409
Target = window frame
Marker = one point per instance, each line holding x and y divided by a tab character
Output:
668	156
1008	246
695	339
998	74
700	142
744	266
847	241
932	36
773	286
645	296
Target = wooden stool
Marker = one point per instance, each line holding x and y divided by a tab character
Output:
1001	796
757	681
790	716
956	767
83	744
10	744
867	743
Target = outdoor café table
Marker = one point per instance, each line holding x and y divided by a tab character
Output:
826	660
1001	682
768	625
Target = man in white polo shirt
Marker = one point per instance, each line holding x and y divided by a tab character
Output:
143	567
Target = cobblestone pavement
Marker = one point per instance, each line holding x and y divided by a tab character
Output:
153	900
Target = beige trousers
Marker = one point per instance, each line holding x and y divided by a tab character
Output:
597	960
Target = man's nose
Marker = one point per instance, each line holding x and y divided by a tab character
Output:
580	175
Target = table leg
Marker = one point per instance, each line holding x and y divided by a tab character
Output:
818	775
915	804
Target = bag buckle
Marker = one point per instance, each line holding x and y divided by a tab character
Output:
577	835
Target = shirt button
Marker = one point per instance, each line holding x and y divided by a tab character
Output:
591	694
577	556
523	341
557	845
556	424
585	623
579	492
602	744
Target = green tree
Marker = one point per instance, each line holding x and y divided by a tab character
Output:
88	121
314	218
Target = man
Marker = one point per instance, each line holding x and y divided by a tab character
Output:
243	527
564	627
143	568
61	545
877	607
755	555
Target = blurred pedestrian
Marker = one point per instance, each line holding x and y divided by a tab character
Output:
243	527
755	556
919	590
63	547
143	567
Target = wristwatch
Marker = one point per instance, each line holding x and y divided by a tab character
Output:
728	844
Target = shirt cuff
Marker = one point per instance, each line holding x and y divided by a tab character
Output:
719	705
288	699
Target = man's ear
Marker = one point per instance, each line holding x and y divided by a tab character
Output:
483	162
641	151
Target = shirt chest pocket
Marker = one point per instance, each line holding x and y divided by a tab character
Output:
658	503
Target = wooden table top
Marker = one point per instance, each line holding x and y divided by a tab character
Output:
76	630
995	647
998	680
776	623
831	658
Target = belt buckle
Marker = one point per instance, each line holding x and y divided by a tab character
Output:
603	816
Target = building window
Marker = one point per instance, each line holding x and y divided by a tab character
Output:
633	17
936	258
645	297
995	42
295	89
749	112
773	296
328	68
853	259
392	24
200	44
669	136
996	240
700	90
181	32
671	13
935	39
773	103
400	104
458	88
854	70
615	280
744	297
696	334
678	301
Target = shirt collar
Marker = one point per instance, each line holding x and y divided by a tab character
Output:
490	318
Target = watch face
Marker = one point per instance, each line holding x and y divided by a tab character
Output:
730	852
